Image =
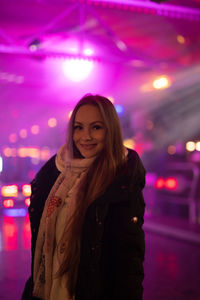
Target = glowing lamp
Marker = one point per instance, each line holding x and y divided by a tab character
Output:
171	149
160	183
8	203
26	190
161	83
181	39
190	146
88	51
7	152
27	202
9	190
33	152
171	184
198	146
77	69
22	152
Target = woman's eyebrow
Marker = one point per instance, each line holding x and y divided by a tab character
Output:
97	122
94	122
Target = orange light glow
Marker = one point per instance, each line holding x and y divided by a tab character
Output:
45	153
161	82
198	146
10	236
26	190
180	39
26	233
171	183
29	152
13	137
160	183
129	143
23	133
27	201
8	203
7	152
52	122
69	114
171	149
190	146
35	129
9	190
111	99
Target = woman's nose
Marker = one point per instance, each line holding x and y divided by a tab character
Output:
86	134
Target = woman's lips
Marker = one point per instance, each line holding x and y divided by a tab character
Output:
88	147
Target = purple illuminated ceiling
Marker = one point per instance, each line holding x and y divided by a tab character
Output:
132	42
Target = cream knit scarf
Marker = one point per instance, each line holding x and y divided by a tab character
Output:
66	183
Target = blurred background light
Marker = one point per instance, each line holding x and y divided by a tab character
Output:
77	70
13	137
35	160
45	153
121	45
171	183
15	212
190	146
1	164
32	152
69	114
88	51
23	133
149	125
52	122
7	203
34	45
22	152
181	39
7	152
27	202
171	149
129	143
35	129
119	108
198	146
26	189
161	82
9	190
111	99
160	183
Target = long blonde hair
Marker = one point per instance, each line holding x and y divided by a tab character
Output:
100	174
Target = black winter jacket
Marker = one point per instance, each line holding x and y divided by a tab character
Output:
112	246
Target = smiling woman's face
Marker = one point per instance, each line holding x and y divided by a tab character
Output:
89	131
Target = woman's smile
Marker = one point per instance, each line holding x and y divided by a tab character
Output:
88	147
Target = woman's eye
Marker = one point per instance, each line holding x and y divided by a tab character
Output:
77	127
96	127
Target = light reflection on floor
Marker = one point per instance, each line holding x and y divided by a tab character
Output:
15	233
172	267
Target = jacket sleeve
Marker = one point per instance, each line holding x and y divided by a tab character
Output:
40	187
124	244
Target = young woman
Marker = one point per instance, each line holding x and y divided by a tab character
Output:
87	213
